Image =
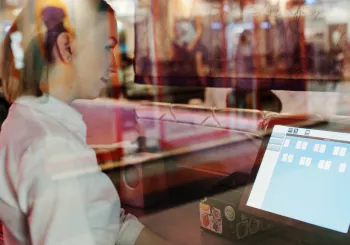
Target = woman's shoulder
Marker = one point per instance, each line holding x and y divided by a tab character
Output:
52	153
21	128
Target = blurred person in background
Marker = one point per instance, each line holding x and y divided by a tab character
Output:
244	66
52	190
126	61
187	56
247	95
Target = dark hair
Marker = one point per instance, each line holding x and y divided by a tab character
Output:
103	6
268	101
244	37
4	108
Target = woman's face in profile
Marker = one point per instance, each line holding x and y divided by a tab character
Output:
93	55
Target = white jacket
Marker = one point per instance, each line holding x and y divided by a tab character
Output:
51	188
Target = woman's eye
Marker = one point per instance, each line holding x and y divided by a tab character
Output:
108	48
112	42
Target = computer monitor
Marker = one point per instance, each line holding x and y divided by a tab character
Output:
301	178
190	45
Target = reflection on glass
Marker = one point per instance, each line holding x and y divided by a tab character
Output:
290	43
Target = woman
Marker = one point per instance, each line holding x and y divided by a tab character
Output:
187	62
51	188
244	64
246	95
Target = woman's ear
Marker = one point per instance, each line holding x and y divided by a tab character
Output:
64	47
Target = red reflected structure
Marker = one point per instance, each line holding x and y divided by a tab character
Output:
206	38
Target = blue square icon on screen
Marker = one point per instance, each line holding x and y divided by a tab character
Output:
295	130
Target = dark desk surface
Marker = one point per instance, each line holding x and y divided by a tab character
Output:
181	225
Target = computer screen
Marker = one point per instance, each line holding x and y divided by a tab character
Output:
304	176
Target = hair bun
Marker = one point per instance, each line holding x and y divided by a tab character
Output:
52	16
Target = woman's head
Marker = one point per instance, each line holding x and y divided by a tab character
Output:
66	49
246	37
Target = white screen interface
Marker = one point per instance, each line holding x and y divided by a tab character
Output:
304	175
